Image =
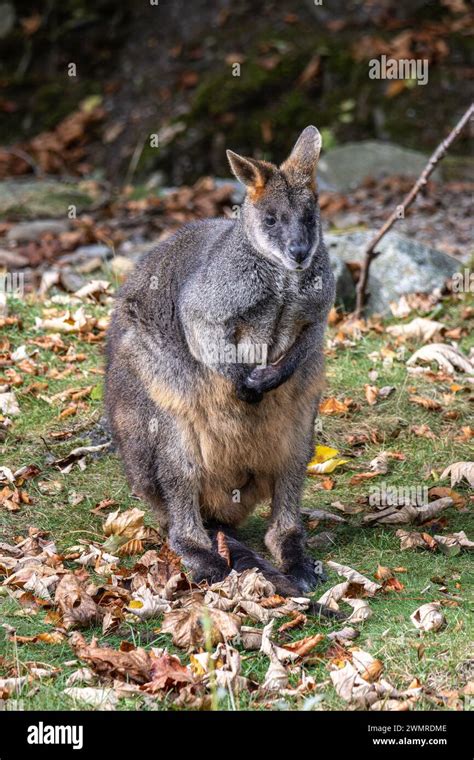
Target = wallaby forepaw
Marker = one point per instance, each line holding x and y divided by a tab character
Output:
250	395
307	574
264	379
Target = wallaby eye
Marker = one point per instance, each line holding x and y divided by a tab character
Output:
270	220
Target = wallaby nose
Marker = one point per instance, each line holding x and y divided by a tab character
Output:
298	251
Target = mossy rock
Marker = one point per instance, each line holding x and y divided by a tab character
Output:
29	199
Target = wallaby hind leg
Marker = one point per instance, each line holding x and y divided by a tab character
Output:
242	557
187	535
286	536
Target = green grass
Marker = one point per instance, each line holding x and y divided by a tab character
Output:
388	634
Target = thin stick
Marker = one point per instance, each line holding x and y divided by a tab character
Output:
370	252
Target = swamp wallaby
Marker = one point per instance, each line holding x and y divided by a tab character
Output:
215	366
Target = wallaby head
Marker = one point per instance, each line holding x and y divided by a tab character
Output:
280	213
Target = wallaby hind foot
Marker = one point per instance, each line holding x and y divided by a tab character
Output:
243	558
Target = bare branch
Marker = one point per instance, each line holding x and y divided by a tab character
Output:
370	252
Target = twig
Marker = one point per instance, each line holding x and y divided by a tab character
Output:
136	156
27	159
399	211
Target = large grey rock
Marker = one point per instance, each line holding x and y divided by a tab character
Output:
32	198
345	292
404	266
345	167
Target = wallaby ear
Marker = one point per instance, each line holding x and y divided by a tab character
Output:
252	173
302	161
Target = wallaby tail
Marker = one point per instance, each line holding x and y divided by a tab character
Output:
243	558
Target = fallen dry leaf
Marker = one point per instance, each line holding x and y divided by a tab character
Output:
424	431
272	650
126	524
413	540
304	646
81	675
426	403
369	667
459	471
9	404
77	322
360	610
420	329
371	394
447	357
428	617
348	509
104	699
145	604
187	625
167	673
408	513
383	573
439	492
298	620
75	604
333	406
276	677
55	637
344	635
452	543
105	661
222	547
353	576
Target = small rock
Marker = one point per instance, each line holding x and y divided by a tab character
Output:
71	280
34	230
86	253
12	260
96	249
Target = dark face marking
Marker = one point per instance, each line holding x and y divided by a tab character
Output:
284	222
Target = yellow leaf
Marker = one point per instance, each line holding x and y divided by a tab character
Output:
322	454
135	604
325	467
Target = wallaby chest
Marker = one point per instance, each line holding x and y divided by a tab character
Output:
278	320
